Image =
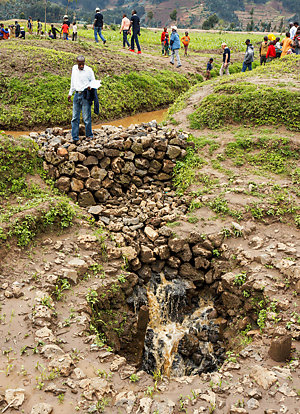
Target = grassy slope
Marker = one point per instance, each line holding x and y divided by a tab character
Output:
36	84
266	96
28	204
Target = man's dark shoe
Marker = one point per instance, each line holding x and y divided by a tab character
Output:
172	63
104	41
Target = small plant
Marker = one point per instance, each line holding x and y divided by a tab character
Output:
149	391
134	378
231	356
240	279
61	398
261	320
60	287
157	375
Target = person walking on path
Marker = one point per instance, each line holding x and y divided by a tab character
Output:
125	25
175	46
74	32
226	60
136	31
286	44
167	45
39	27
263	51
249	56
98	26
18	29
162	40
186	41
82	79
29	24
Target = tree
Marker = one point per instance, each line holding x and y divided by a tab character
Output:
150	15
173	15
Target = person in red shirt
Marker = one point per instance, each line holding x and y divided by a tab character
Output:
271	52
162	39
65	31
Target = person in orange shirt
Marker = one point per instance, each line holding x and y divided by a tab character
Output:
286	44
186	40
65	31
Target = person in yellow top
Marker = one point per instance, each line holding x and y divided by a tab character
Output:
186	40
286	44
263	50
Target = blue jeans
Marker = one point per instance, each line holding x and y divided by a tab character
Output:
246	65
81	104
134	38
125	40
98	31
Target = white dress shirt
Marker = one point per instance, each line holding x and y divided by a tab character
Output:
81	79
293	31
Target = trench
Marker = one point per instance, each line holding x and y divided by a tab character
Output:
139	118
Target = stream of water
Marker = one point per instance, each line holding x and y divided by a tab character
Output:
181	339
124	122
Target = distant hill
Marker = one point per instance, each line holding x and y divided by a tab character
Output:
230	14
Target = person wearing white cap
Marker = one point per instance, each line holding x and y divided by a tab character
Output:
98	26
226	60
175	46
293	29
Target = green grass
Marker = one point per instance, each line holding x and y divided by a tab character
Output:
28	208
41	99
242	104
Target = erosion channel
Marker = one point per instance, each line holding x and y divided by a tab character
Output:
162	316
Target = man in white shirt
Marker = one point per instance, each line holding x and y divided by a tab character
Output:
125	25
81	79
293	29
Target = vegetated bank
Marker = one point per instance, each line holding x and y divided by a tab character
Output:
261	97
36	80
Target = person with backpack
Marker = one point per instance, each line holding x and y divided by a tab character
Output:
263	51
98	26
249	56
175	46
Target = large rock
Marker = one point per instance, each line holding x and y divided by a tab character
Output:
151	233
173	151
263	377
42	408
93	184
63	184
129	252
176	244
147	255
187	271
102	195
77	185
86	199
280	348
62	364
67	168
82	172
98	173
15	397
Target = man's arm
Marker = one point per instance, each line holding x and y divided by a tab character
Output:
226	59
72	88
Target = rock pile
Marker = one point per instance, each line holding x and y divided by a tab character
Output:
114	162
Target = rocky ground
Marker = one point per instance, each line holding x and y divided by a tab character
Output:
74	303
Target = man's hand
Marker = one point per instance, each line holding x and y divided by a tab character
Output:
69	98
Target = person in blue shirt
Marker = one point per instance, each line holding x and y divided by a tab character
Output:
175	46
209	68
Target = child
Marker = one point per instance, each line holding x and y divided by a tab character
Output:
271	53
278	47
162	39
65	31
167	45
74	34
263	51
22	33
209	68
286	45
186	40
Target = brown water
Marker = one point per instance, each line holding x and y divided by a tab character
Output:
124	122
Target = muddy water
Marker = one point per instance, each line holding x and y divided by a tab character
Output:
124	122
